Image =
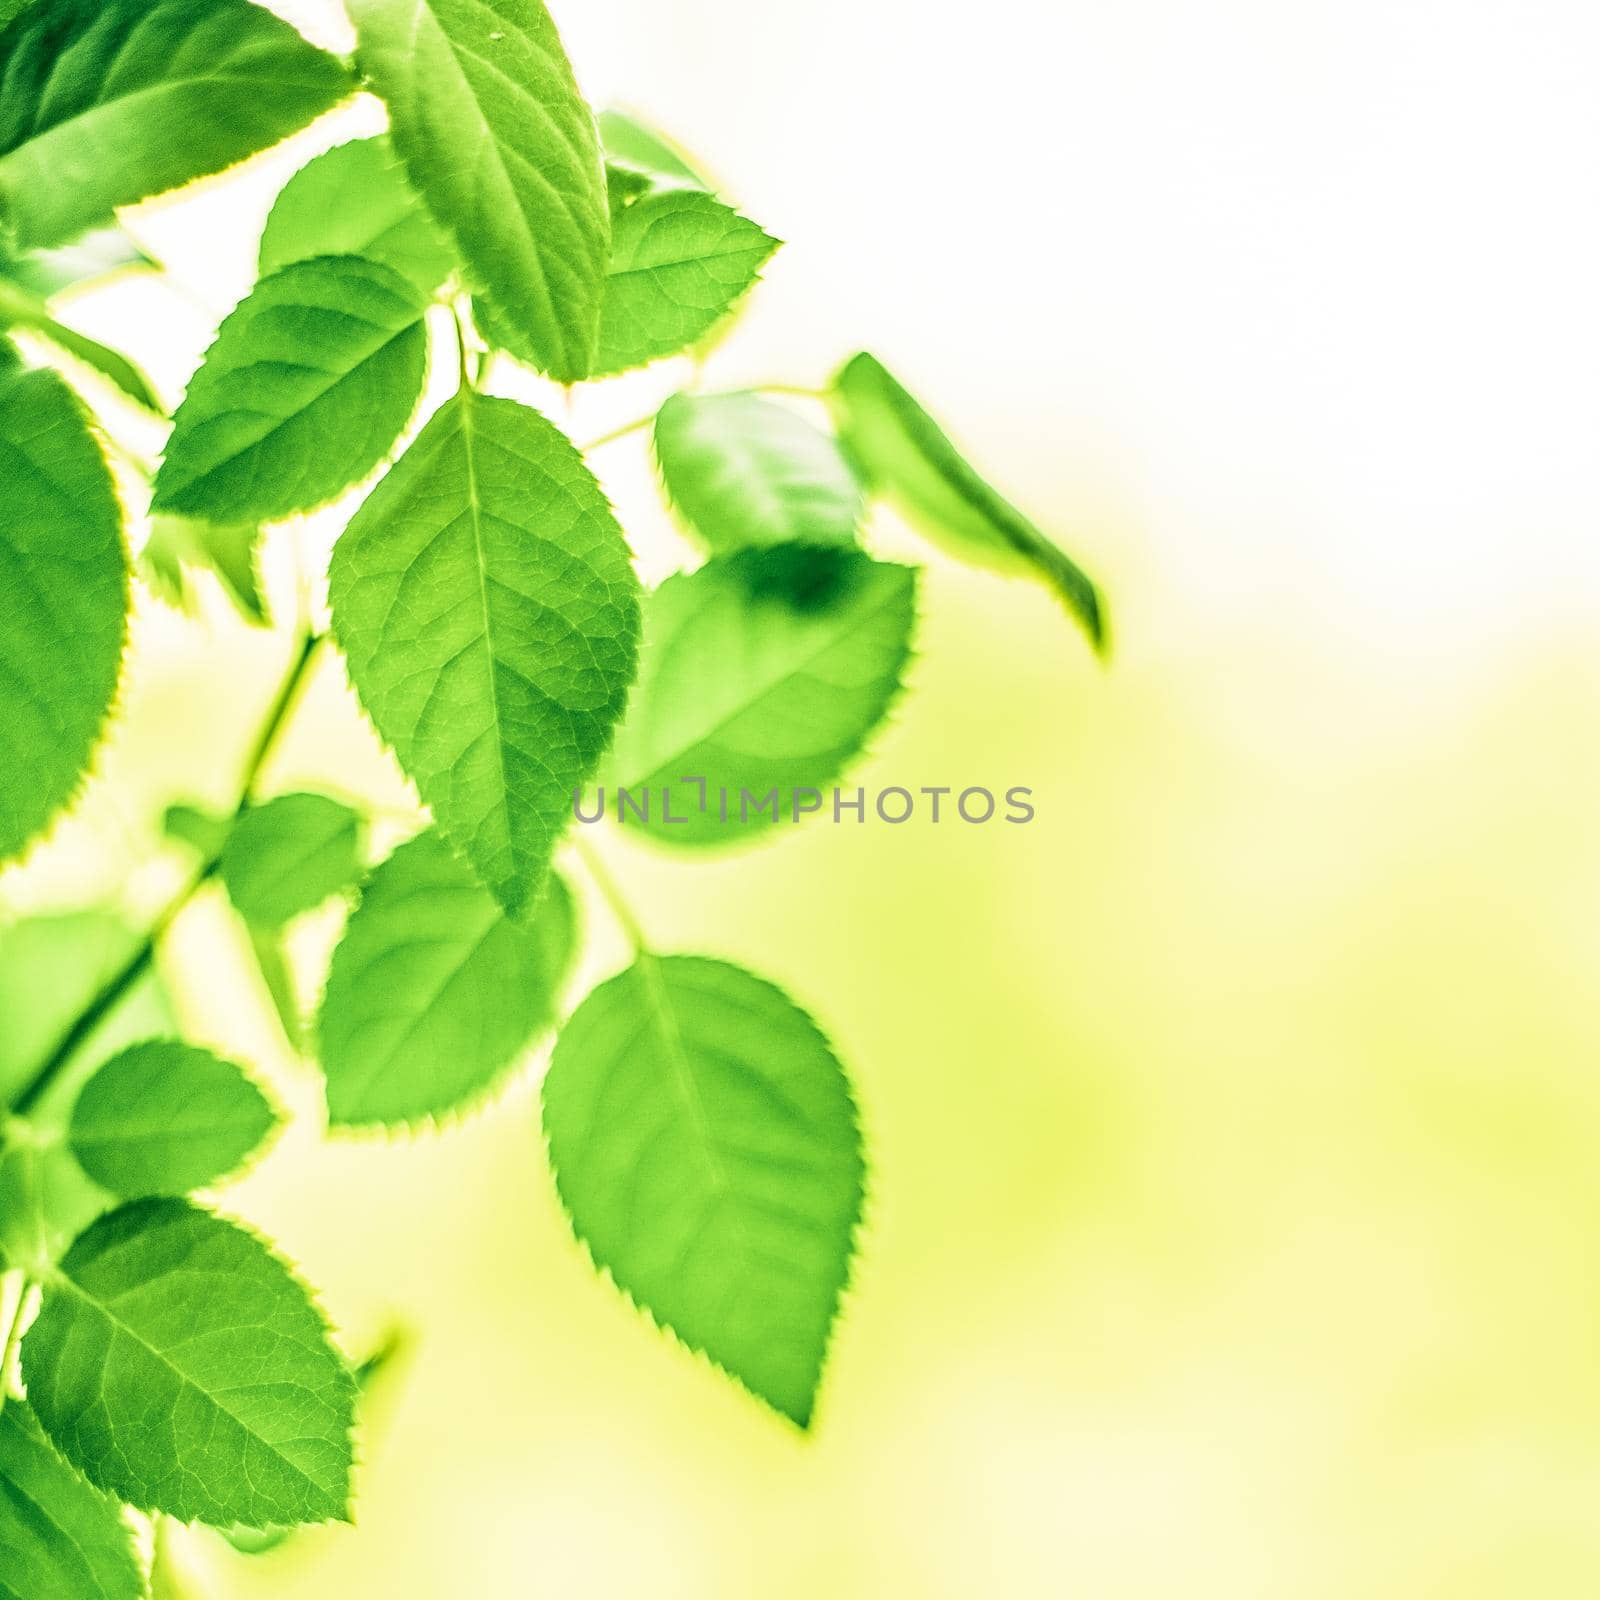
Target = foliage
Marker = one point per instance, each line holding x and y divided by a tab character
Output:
702	1129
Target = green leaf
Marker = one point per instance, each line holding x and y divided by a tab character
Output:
679	262
165	1117
178	547
19	308
434	994
748	685
355	200
289	855
179	1365
706	1148
64	574
629	143
103	102
205	832
908	458
487	118
745	471
485	604
62	1538
308	385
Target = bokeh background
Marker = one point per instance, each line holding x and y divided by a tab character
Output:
1235	1126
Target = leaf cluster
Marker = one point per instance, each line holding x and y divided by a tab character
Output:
702	1129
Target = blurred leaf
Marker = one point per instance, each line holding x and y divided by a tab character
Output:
680	260
706	1148
228	1406
747	686
64	571
289	855
165	1117
104	102
203	831
434	994
909	459
104	253
51	968
62	1539
308	385
355	200
744	471
20	308
487	118
266	945
630	143
179	546
487	609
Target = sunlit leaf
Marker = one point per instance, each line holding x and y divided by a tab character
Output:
64	573
706	1147
434	993
103	102
179	1365
909	459
485	604
487	119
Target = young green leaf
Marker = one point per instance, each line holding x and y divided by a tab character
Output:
487	118
680	260
178	547
166	1118
308	385
103	102
179	1365
749	686
21	308
290	855
62	1539
745	471
490	618
908	458
434	992
706	1148
355	200
64	573
629	143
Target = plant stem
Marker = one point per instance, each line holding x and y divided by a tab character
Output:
469	373
617	433
616	901
13	1337
117	986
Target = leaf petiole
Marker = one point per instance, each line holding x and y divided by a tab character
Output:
611	893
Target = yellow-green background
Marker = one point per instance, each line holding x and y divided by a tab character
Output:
1235	1127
